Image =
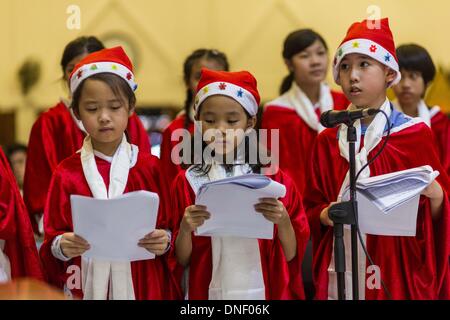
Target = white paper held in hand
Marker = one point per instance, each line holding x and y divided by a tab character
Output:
231	204
113	227
388	203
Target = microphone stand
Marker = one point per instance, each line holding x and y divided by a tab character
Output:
346	213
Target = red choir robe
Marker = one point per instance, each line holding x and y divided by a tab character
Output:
54	137
296	137
15	227
151	278
412	267
282	279
170	169
440	125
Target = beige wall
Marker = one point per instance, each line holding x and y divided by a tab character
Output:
162	33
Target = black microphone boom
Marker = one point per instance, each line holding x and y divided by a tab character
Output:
332	118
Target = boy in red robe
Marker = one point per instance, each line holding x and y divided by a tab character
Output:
236	267
411	267
18	253
107	166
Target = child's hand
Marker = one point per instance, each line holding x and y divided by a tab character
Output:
325	218
155	242
273	210
433	191
72	245
194	216
436	195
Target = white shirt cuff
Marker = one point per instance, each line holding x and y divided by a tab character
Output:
56	249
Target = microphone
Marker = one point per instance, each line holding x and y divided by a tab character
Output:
332	118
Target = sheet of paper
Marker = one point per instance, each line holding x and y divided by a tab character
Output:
232	209
388	204
113	227
399	222
390	191
422	173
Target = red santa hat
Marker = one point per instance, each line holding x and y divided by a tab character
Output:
372	38
111	60
240	86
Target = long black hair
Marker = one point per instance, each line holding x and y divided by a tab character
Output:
294	43
199	54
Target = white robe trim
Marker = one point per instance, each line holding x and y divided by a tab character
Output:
236	262
297	100
99	277
424	112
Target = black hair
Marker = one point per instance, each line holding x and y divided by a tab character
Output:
118	85
13	148
208	54
412	57
294	43
79	46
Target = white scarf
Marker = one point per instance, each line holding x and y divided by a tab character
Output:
305	108
236	262
424	113
372	138
99	276
5	265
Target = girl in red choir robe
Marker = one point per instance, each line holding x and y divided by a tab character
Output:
304	96
418	71
57	134
18	253
412	267
200	58
235	267
107	166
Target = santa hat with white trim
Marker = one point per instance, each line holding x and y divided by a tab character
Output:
110	60
372	38
240	86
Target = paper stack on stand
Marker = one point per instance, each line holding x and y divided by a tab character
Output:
388	203
113	227
231	204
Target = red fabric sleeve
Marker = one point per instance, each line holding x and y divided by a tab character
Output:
15	227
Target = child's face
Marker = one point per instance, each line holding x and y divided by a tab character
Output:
104	115
224	123
410	89
18	161
196	71
310	65
364	80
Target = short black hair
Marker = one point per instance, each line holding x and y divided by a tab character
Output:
412	57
